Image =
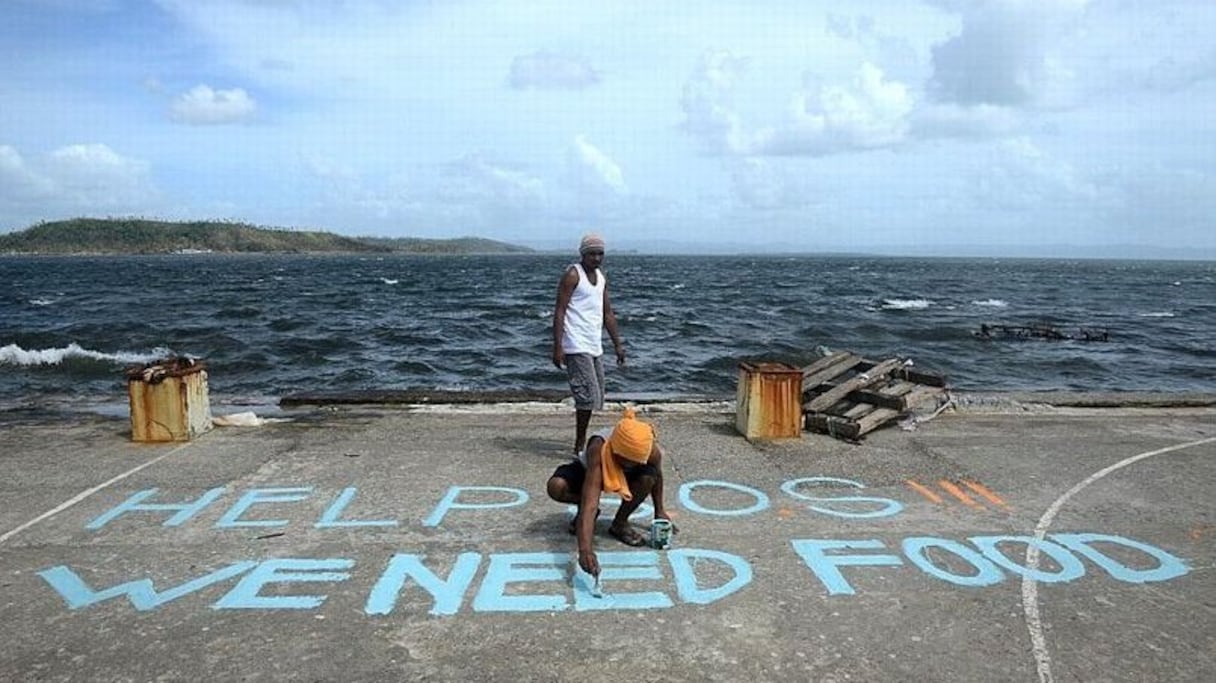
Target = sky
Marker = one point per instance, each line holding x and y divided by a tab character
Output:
715	125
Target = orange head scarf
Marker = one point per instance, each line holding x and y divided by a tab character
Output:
631	440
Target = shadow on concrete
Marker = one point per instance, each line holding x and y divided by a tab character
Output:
558	450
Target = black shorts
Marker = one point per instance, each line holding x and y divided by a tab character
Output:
574	473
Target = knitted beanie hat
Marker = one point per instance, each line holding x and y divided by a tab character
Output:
592	241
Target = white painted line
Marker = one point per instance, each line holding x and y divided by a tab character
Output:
86	493
1030	587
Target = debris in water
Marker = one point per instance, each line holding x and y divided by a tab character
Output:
1041	331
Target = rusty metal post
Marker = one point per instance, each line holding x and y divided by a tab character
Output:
168	399
768	402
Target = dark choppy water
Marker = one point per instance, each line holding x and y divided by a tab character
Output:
273	325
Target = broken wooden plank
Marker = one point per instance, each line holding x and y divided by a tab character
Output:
849	428
897	387
853	419
858	410
845	403
901	396
888	397
835	426
876	419
874	375
837	408
825	361
820	371
907	373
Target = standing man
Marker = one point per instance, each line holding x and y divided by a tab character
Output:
580	317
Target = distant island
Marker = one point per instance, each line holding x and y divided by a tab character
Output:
143	236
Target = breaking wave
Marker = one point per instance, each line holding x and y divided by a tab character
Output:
15	355
993	303
906	304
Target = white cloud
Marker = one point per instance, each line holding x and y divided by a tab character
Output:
761	184
1021	176
94	171
371	48
18	182
548	71
469	194
1167	48
1008	60
1170	74
881	115
203	106
870	112
1004	54
976	121
708	101
593	170
514	186
492	188
73	180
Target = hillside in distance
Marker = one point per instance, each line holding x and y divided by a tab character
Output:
144	236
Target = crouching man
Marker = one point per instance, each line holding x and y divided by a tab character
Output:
624	460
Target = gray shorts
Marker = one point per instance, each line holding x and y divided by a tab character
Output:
586	374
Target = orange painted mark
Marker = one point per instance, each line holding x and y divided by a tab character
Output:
785	513
985	492
925	492
957	493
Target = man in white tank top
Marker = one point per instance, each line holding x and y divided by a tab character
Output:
581	315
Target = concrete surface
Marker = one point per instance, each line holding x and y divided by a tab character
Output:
325	551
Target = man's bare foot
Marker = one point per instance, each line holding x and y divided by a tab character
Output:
628	535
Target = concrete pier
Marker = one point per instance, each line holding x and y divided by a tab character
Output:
1017	538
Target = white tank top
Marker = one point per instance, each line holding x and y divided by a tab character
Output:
584	331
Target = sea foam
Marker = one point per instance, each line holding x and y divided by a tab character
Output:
906	304
15	355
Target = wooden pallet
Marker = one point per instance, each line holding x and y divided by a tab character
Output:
848	396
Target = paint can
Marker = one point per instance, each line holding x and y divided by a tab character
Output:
660	534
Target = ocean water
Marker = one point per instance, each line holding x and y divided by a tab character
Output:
272	325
